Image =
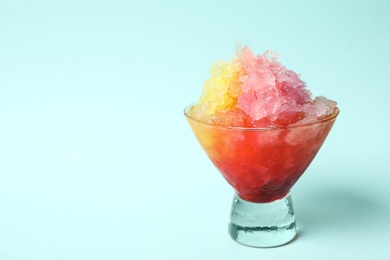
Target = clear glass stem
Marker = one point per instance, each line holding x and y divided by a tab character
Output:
262	224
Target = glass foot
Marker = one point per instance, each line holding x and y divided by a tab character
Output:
262	224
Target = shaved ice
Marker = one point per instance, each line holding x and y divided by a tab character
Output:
257	92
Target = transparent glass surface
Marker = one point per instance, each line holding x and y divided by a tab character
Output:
262	165
262	224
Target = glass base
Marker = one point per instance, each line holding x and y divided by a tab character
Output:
262	224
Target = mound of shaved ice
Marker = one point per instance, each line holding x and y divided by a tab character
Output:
257	91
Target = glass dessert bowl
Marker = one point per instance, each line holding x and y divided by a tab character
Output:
262	165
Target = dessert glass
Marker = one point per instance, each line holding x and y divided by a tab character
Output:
262	165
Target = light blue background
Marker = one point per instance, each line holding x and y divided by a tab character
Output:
97	161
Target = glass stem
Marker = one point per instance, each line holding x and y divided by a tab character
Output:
262	224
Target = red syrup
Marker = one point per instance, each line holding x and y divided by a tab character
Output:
262	165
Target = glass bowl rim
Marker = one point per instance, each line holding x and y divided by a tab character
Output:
333	116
